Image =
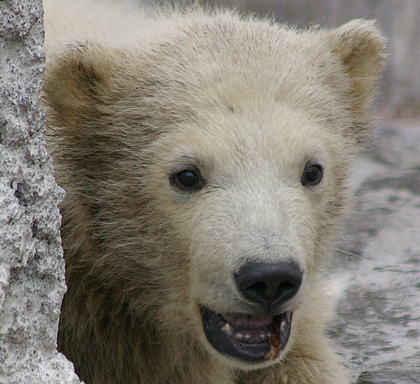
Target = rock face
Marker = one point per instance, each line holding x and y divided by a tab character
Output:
378	323
31	260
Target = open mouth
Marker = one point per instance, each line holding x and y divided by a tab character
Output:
247	338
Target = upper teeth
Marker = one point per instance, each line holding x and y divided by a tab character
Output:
228	329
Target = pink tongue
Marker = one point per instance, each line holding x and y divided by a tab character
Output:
248	321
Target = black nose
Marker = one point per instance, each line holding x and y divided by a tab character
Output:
269	285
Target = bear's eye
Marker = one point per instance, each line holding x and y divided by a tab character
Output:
312	175
188	180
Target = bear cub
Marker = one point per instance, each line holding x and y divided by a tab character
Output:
206	158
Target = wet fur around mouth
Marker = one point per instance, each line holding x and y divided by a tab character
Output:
250	339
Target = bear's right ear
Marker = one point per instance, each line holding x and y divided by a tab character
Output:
360	48
78	82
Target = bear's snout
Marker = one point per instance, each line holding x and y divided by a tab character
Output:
269	285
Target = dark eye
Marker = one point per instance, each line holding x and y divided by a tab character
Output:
188	180
312	174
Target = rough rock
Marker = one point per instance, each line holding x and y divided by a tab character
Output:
31	260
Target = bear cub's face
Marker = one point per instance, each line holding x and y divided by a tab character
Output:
209	173
249	199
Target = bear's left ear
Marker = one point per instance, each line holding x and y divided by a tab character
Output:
78	81
360	47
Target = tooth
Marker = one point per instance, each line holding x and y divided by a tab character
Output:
263	336
268	334
283	323
239	336
228	329
247	337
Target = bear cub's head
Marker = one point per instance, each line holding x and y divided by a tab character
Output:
209	173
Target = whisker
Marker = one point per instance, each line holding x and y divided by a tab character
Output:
347	252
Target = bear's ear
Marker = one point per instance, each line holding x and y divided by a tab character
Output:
78	82
360	48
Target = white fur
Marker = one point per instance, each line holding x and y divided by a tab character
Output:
249	103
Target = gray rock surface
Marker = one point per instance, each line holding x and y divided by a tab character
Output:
31	260
378	265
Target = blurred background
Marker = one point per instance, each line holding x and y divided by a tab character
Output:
398	19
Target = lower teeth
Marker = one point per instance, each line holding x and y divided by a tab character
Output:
227	328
